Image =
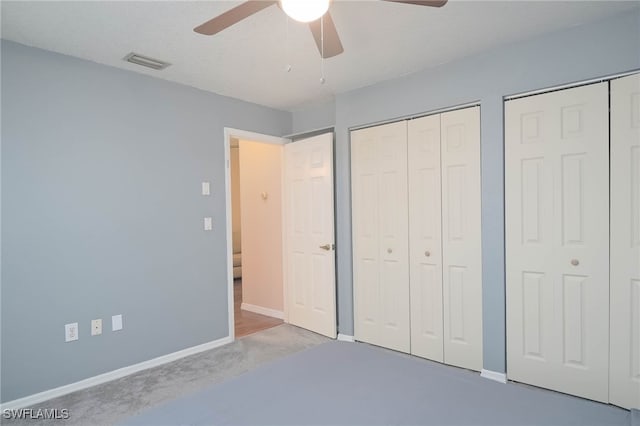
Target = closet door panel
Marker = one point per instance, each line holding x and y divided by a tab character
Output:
366	269
425	242
380	235
625	242
461	238
557	216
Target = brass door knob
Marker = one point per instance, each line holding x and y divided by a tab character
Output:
389	251
427	253
326	247
575	262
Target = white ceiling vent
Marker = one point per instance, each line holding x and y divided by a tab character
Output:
146	61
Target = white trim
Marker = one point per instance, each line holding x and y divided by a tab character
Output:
246	135
227	197
414	116
494	375
569	85
111	375
255	137
261	310
346	338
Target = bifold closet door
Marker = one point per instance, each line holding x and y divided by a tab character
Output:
557	240
625	242
425	241
461	238
380	235
444	237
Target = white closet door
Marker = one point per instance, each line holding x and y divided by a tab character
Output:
309	229
625	242
557	240
380	235
425	241
461	238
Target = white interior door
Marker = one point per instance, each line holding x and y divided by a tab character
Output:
461	238
625	242
557	240
380	235
425	241
309	240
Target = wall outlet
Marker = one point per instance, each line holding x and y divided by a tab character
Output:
208	224
71	332
96	327
116	322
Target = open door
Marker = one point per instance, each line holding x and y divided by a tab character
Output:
310	295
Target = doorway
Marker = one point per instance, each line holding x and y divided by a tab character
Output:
256	218
290	193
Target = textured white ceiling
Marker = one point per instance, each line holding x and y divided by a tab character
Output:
249	60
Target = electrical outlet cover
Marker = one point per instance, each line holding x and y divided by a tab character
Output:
71	332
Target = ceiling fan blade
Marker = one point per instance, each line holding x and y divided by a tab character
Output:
332	43
232	16
432	3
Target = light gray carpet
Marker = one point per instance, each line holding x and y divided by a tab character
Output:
111	402
357	384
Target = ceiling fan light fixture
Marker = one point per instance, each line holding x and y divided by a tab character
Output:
305	10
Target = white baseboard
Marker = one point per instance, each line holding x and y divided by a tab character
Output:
494	375
109	376
346	338
260	310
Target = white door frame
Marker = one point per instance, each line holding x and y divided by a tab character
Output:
230	133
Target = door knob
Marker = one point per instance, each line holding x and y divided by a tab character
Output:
427	253
327	247
575	262
389	251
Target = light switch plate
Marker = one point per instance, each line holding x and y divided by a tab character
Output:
208	224
116	322
206	188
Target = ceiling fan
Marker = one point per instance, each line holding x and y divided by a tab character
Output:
309	11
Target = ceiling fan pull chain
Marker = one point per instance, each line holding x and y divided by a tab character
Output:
288	48
322	80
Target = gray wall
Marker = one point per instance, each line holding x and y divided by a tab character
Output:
580	53
101	215
314	117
